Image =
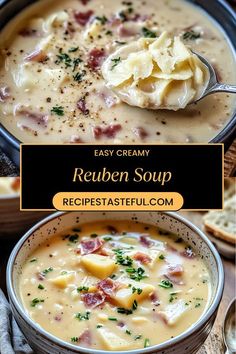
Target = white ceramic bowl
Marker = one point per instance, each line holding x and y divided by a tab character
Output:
43	342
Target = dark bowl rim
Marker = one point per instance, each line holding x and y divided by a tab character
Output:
206	317
221	137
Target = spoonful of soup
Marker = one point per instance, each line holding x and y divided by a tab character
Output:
160	73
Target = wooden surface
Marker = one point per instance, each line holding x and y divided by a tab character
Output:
230	161
214	343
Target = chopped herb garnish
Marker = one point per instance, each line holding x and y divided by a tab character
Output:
35	302
166	284
139	290
120	259
64	272
121	43
139	336
128	332
146	343
191	35
135	305
124	311
109	33
73	238
112	276
186	304
74	339
107	238
46	271
171	299
102	19
122	16
197	305
78	77
59	110
82	288
99	326
94	235
40	286
148	33
136	274
73	49
161	257
63	58
83	317
112	318
115	61
33	260
76	62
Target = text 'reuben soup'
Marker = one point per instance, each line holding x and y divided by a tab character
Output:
137	175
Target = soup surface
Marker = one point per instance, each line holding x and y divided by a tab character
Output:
115	285
9	185
52	89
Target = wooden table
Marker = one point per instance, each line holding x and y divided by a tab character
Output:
214	343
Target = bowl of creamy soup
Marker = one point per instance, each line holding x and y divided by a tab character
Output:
13	222
81	71
115	282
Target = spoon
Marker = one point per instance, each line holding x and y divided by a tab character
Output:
214	86
229	328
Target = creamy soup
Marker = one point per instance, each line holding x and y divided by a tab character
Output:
115	285
52	89
9	185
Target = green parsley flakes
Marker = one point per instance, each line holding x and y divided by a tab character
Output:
148	33
166	284
58	110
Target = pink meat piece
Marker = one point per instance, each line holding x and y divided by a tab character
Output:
107	131
142	257
96	58
145	241
86	338
4	93
38	118
175	269
37	55
92	300
29	32
154	298
82	18
140	132
84	2
90	246
82	106
108	286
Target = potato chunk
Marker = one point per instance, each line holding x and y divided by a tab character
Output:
63	280
112	341
125	297
172	313
100	266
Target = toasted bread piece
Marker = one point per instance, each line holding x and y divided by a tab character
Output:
222	224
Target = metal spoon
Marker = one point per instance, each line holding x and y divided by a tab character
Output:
214	86
229	328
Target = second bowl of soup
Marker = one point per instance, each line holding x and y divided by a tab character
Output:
87	282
